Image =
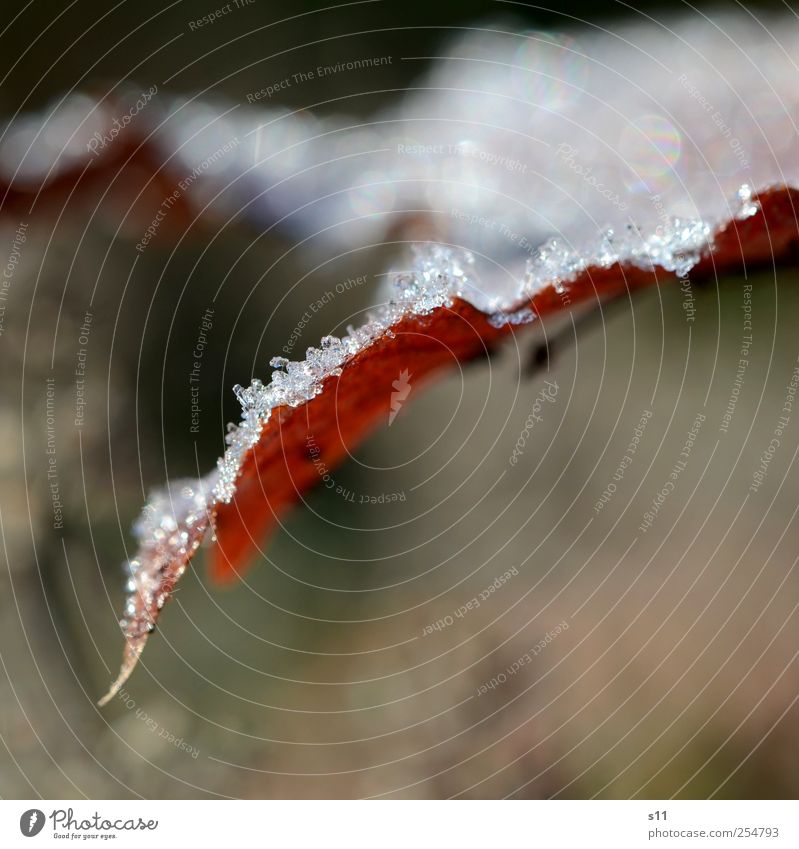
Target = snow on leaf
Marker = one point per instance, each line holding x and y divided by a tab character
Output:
331	397
579	165
169	531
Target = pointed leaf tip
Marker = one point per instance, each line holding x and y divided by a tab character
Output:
169	531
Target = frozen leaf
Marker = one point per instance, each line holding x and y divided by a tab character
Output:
330	397
579	164
169	531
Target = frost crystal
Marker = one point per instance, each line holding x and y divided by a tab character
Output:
586	154
521	316
438	274
747	207
176	520
169	531
526	145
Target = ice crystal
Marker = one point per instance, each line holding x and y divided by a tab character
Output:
169	531
747	207
626	165
528	145
521	316
175	521
438	274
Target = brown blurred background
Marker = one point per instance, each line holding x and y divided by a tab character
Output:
315	676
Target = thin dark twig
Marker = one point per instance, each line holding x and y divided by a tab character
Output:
542	353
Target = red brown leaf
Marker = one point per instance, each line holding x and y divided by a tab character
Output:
258	481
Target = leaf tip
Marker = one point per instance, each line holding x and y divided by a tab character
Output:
133	651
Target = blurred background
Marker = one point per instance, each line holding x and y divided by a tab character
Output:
644	663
